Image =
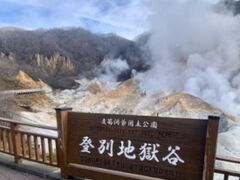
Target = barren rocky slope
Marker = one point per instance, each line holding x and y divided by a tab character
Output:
57	56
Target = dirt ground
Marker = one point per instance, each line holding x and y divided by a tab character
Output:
11	174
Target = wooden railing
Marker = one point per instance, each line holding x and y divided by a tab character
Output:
226	172
17	140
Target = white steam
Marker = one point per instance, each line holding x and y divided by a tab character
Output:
110	69
197	50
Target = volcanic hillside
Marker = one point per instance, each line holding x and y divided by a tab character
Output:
58	56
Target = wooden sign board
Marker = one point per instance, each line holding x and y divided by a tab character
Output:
104	146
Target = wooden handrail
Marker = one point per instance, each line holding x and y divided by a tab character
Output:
226	172
38	134
228	159
4	127
28	124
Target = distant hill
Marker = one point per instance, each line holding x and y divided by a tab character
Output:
57	56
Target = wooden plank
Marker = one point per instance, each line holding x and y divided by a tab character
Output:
43	150
29	146
225	176
10	142
62	122
28	124
4	124
4	141
37	134
228	159
16	139
227	171
50	151
7	141
23	143
2	127
1	139
210	147
36	148
56	152
105	174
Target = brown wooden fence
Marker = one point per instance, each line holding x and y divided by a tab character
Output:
227	173
17	139
21	141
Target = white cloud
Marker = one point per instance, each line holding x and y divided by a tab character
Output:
126	17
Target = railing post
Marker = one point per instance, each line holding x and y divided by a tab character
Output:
226	176
16	140
62	118
210	147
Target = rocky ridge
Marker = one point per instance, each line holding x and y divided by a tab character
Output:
56	64
58	56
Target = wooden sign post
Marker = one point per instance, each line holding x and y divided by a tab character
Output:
105	146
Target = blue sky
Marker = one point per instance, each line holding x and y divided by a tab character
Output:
127	18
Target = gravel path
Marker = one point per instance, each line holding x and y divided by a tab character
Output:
11	174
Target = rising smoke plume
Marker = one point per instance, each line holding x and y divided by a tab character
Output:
110	69
196	49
